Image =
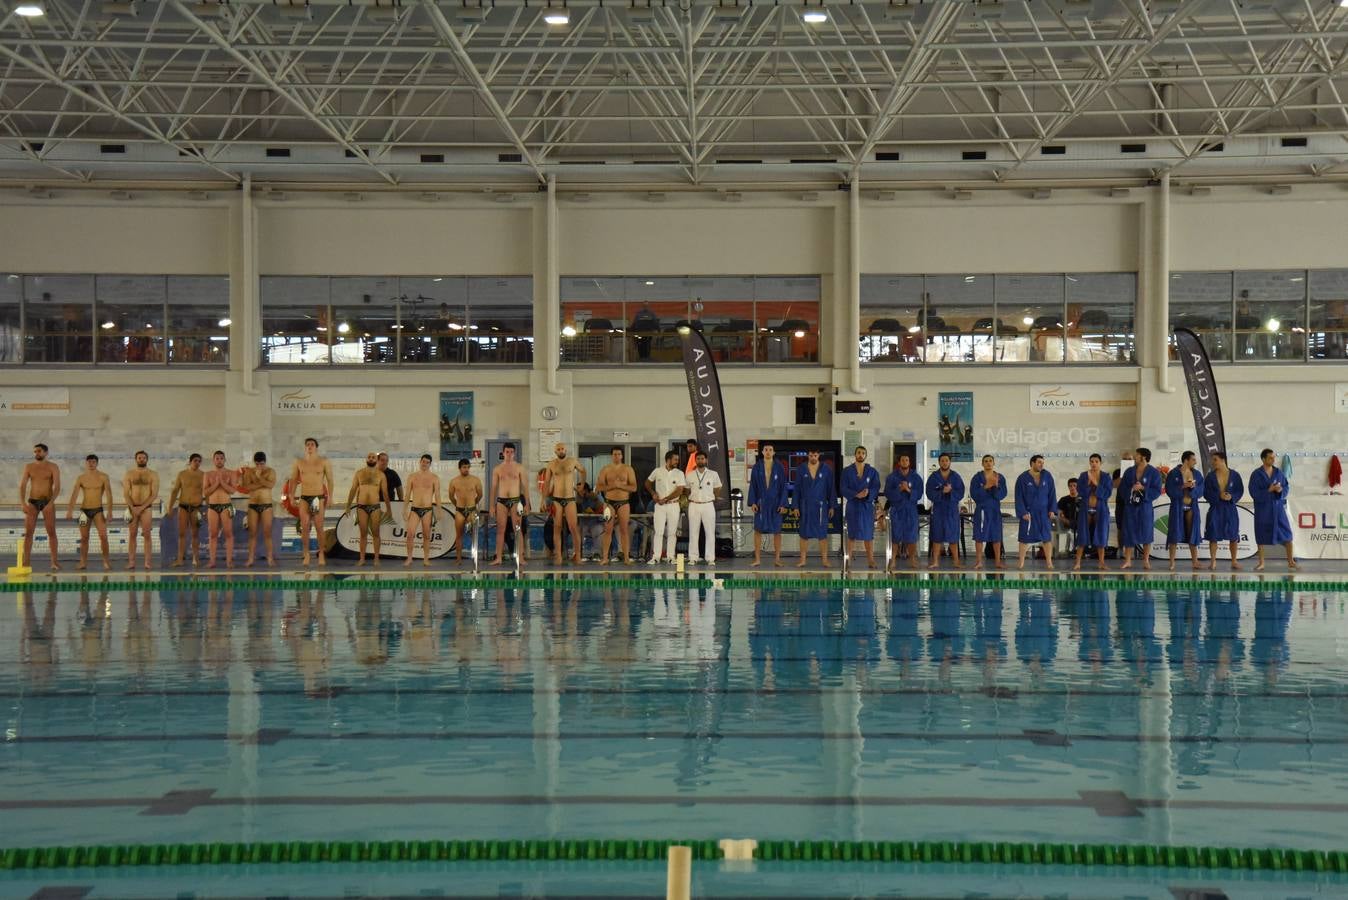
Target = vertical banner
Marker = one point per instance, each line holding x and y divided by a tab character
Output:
955	424
704	393
1207	409
456	424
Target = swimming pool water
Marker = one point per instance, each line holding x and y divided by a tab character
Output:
956	711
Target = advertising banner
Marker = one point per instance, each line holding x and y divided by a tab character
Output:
1207	408
456	424
1082	398
393	534
704	393
319	401
1245	549
955	424
1319	526
34	401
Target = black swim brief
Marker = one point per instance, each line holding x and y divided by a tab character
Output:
617	503
420	511
90	513
507	501
563	502
370	508
466	511
311	499
260	507
222	507
39	503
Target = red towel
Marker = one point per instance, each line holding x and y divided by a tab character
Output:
1335	471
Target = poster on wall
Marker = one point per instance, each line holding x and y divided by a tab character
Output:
955	424
456	424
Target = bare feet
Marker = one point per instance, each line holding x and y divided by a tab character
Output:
1146	563
107	566
495	562
756	563
408	564
979	564
825	563
1049	565
1235	566
1077	567
778	562
131	566
1000	564
872	563
1127	565
322	560
801	564
427	563
175	564
304	561
80	567
1021	564
1292	566
248	564
1258	568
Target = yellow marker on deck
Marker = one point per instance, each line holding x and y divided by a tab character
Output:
19	570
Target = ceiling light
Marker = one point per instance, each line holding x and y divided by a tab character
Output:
568	331
29	10
914	329
225	323
107	325
557	17
1273	325
815	17
437	280
800	334
1028	320
650	282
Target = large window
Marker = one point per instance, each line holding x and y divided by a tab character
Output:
114	319
745	319
981	318
1281	315
449	320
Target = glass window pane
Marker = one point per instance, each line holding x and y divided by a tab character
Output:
434	319
593	331
1270	315
788	331
197	305
365	313
891	308
11	322
1329	314
657	289
501	320
1201	302
1100	310
130	313
793	287
652	331
294	320
1029	322
592	289
955	304
59	313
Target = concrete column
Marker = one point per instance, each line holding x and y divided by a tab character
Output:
247	390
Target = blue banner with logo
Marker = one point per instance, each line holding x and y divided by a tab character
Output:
955	425
456	424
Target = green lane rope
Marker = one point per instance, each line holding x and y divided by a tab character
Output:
342	583
1046	854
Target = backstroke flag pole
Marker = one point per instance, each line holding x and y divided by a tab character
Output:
704	392
1203	399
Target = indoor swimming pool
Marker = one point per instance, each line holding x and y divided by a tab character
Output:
937	710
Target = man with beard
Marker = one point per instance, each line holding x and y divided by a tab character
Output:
617	483
257	483
140	490
187	496
38	489
369	488
767	499
311	478
90	490
945	490
219	485
1035	502
903	493
563	474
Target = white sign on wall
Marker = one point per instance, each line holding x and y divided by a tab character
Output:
547	439
34	401
1341	398
319	401
1082	398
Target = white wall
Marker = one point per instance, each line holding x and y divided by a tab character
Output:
157	236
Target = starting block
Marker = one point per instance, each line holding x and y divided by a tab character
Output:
19	570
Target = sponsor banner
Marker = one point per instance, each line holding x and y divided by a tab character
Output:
456	424
955	424
1245	549
1082	398
320	401
1341	398
1319	526
704	394
393	533
1203	400
34	401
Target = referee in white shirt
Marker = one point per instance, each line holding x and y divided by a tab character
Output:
666	486
704	487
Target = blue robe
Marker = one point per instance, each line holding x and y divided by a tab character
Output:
1040	501
814	497
1175	532
1223	522
987	508
1271	525
860	513
945	508
1137	524
1094	533
769	499
903	506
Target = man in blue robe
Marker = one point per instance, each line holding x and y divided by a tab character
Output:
1139	488
1268	489
814	496
1095	487
903	493
987	489
1184	485
1036	501
767	498
860	490
945	490
1222	488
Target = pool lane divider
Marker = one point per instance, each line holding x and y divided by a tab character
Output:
934	581
1045	854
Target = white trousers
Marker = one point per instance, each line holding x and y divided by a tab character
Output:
666	530
702	516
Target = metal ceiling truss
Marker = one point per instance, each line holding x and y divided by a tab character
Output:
386	90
